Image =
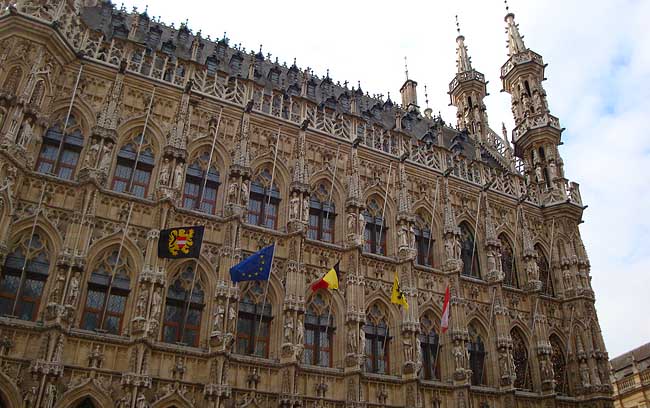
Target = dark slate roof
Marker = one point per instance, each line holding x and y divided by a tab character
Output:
622	365
220	55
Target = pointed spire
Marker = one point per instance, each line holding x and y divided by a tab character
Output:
463	61
515	40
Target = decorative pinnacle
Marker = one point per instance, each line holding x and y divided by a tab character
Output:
426	96
406	68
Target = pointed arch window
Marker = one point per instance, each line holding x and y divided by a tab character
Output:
37	94
322	215
264	201
429	348
254	322
109	286
319	333
377	341
133	171
508	263
520	356
559	366
477	354
196	178
21	289
3	115
86	403
60	153
183	309
13	80
375	232
544	272
424	241
468	251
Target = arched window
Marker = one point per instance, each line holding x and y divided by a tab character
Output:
3	115
319	333
376	231
13	80
559	365
477	354
183	309
429	348
377	341
22	283
322	214
86	403
254	322
60	153
125	179
264	201
508	262
468	252
424	240
195	179
108	290
520	356
544	272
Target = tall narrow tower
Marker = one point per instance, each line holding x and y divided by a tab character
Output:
537	133
467	91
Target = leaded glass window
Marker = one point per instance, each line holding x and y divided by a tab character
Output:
108	291
429	348
23	278
508	262
468	252
477	354
544	272
254	322
135	162
520	356
264	201
559	366
184	309
201	185
377	341
319	333
322	216
60	152
375	232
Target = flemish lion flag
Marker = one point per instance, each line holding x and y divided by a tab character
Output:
397	296
329	281
180	242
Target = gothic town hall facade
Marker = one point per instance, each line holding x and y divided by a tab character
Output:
114	126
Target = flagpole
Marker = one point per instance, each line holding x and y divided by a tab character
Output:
433	215
329	198
67	118
207	172
275	158
140	143
29	248
383	211
114	271
478	215
266	291
550	262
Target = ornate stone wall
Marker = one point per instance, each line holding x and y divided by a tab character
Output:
73	106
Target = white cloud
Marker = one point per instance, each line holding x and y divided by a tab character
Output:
599	71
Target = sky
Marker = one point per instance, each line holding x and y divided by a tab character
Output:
598	56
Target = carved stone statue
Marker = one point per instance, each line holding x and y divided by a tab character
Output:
459	356
294	207
402	236
491	260
288	329
232	318
532	271
449	248
568	284
165	173
300	330
141	305
243	197
232	193
26	134
351	345
156	304
412	237
74	289
305	209
538	174
537	102
504	363
178	176
361	224
107	157
50	396
218	317
362	341
418	350
457	248
351	223
584	374
408	349
546	369
141	401
90	161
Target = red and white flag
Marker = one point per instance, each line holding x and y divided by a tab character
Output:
444	320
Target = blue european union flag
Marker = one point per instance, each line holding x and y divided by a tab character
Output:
256	267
